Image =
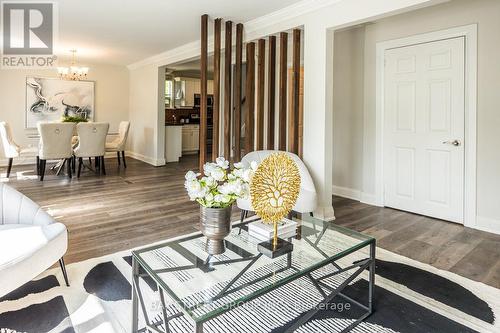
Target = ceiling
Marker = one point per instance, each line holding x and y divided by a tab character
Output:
122	32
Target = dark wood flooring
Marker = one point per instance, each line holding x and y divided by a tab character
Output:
449	246
143	204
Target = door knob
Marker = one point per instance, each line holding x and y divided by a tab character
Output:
455	143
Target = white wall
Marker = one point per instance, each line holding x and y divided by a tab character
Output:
111	99
486	14
348	81
145	91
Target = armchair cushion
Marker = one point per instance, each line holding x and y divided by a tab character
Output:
30	240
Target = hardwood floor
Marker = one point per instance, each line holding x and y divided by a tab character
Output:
449	246
124	209
144	204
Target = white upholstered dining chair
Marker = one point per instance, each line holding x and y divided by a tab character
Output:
307	199
12	150
55	144
91	143
30	240
118	144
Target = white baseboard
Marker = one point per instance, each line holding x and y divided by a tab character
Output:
487	224
346	192
370	199
18	161
140	157
350	193
146	159
32	160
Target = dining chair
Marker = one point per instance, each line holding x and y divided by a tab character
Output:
118	144
55	144
12	149
91	143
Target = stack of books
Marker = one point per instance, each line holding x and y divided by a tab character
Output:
264	231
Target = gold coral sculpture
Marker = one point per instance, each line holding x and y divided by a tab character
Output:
274	189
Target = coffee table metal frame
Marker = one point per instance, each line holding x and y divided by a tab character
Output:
159	327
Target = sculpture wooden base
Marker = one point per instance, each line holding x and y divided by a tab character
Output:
271	251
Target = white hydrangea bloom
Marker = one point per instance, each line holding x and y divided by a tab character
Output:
219	187
210	181
208	168
222	162
194	188
218	174
247	175
190	175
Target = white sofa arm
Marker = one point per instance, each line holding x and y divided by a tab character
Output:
16	208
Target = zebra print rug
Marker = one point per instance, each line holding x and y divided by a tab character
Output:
409	297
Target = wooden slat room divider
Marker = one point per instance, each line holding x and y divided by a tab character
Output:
237	92
250	98
227	89
203	91
293	111
290	110
216	106
282	91
260	94
271	92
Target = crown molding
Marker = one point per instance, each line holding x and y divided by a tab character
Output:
252	29
287	13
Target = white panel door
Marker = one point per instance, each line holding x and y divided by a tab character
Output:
424	129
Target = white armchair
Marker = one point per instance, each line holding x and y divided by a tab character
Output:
30	240
11	149
118	144
307	199
55	143
91	143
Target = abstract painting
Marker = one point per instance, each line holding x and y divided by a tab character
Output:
49	99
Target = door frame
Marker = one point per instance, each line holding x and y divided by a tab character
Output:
469	32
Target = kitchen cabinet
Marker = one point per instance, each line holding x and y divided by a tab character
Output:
173	139
210	87
190	87
190	91
190	139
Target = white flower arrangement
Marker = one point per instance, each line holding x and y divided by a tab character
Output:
219	187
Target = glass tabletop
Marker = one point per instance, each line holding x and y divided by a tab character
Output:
205	286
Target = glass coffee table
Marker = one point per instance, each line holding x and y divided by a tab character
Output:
203	287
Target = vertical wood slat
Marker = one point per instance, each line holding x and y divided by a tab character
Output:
271	92
301	113
227	89
203	91
260	94
216	106
237	93
293	112
282	91
250	98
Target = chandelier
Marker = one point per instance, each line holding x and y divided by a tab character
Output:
73	72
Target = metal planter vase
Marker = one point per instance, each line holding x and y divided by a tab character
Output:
215	225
